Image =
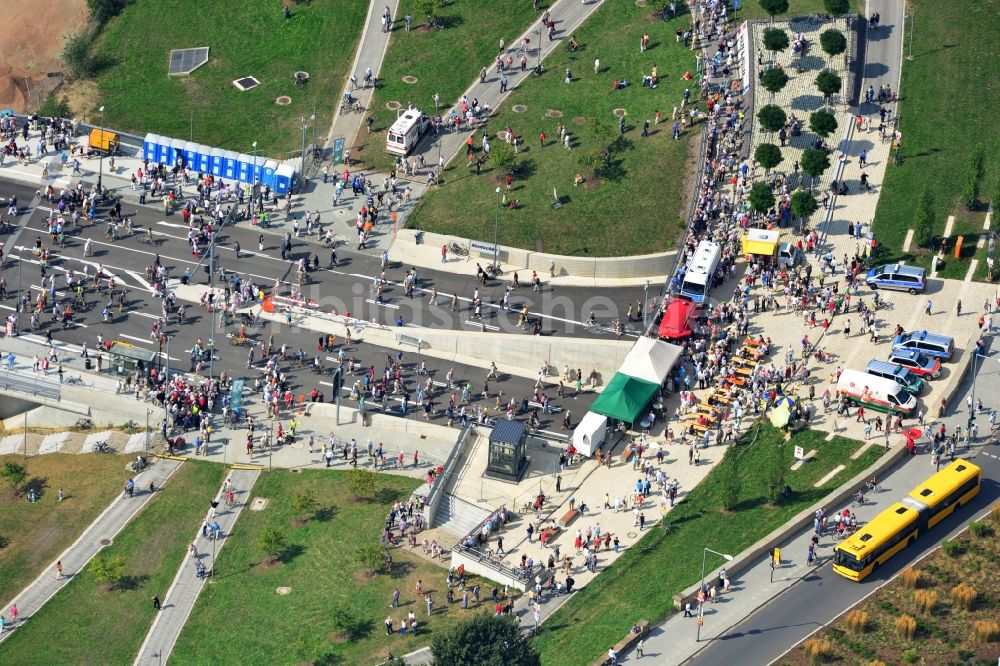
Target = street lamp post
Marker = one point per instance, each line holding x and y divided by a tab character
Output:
701	606
305	126
909	55
100	156
496	234
645	306
253	181
148	412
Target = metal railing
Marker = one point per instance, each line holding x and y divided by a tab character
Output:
447	470
524	576
31	384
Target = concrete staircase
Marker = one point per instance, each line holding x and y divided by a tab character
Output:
457	516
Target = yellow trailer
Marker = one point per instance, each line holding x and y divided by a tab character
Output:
104	141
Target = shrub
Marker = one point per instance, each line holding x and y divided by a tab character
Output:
76	55
906	627
774	7
823	123
361	482
964	596
857	621
304	503
910	656
775	40
828	83
14	474
833	42
818	649
108	569
768	155
774	80
926	600
761	197
272	542
370	556
985	631
981	530
955	548
771	117
837	7
910	577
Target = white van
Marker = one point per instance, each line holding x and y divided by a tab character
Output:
405	133
877	393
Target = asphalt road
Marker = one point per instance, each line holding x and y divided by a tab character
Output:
818	599
346	287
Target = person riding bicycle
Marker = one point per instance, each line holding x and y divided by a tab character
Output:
859	497
872	484
130	487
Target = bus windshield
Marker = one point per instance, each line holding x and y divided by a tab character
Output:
846	560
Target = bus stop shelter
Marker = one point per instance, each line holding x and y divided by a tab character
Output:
125	360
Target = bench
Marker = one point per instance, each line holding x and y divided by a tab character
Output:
568	517
752	342
702	428
624	644
734	380
550	532
721	397
627	453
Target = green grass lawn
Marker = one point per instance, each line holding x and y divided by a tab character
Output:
246	39
633	207
84	623
443	61
35	534
622	594
321	570
945	89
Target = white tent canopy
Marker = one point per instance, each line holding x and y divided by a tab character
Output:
650	359
589	434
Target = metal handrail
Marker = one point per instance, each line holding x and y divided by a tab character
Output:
437	488
501	568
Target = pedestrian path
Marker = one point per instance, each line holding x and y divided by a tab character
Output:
188	583
567	15
99	534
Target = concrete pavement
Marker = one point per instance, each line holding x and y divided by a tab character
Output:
179	600
99	534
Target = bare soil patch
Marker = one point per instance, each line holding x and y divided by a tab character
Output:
30	45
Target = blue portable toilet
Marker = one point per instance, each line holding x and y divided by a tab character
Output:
284	178
267	177
244	166
230	165
150	147
256	169
190	153
216	162
205	159
175	147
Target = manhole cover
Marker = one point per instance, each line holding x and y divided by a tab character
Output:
284	100
579	120
259	504
554	113
631	535
105	542
393	105
409	79
283	590
619	112
519	108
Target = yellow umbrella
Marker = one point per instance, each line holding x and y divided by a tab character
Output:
780	416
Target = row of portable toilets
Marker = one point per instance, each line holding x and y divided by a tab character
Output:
225	164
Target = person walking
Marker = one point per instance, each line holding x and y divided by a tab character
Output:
156	602
59	570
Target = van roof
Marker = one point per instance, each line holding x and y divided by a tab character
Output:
925	335
856	380
901	269
409	118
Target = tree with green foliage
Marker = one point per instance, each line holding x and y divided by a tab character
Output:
361	483
76	55
833	42
768	156
774	7
108	569
774	472
924	220
815	163
761	197
771	117
304	503
774	80
503	155
485	640
837	7
272	542
803	205
822	123
828	83
775	41
974	179
731	484
370	556
428	8
14	474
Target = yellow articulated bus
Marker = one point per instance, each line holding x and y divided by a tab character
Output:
898	526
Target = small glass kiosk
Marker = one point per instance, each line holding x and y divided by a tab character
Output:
507	459
126	360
